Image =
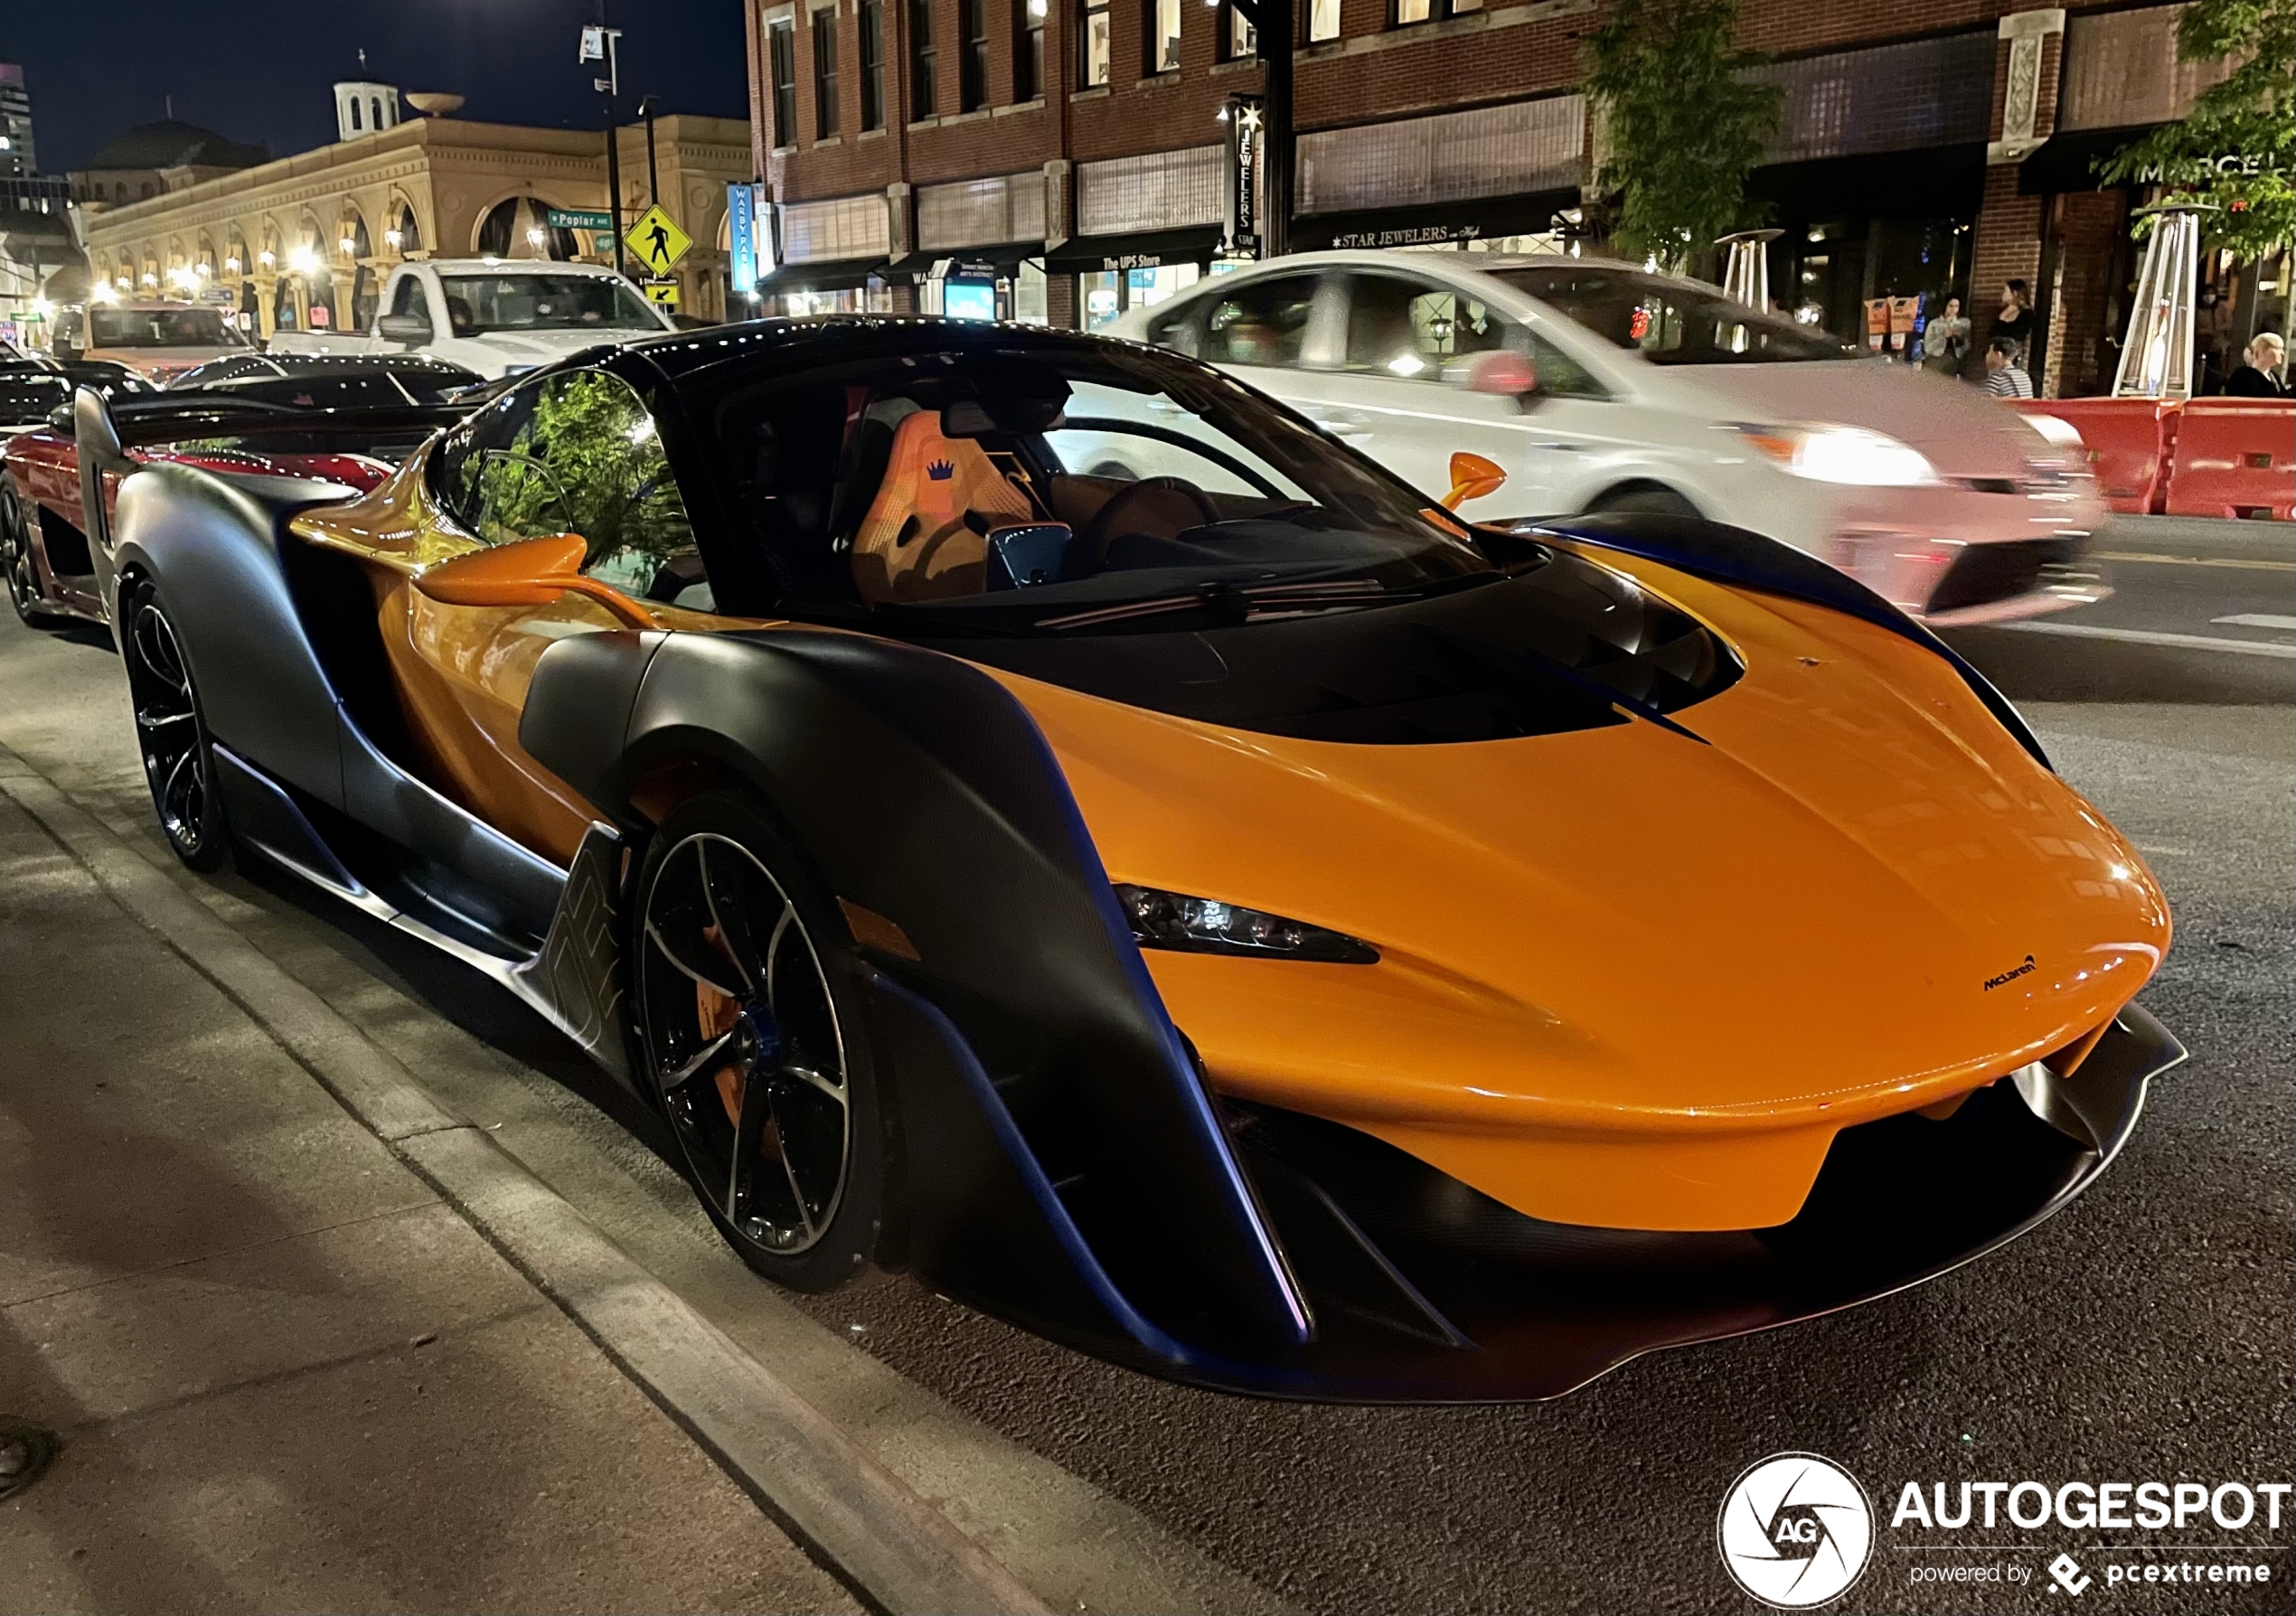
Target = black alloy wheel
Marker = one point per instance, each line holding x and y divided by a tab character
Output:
747	1019
15	556
1651	502
179	760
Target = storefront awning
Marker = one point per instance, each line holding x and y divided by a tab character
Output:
1083	255
1531	213
1938	181
2067	162
836	274
1008	257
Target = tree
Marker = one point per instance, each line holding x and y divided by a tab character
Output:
2236	150
1684	125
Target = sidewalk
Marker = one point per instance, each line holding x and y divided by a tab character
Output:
287	1375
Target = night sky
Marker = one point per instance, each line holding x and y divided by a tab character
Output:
259	71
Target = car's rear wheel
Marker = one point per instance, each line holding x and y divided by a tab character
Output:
1646	501
170	735
15	557
749	1021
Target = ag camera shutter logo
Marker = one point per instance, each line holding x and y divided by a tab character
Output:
1795	1530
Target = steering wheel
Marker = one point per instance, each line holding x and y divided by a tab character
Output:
1169	492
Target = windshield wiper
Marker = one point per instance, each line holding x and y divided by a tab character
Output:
1239	604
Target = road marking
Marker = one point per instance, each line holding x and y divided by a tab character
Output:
2141	636
2255	620
2133	555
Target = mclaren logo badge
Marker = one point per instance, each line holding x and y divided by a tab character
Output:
2010	975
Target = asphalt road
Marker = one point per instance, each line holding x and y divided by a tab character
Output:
2144	1335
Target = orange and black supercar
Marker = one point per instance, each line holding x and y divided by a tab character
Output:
1241	921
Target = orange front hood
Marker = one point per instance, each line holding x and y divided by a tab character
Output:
1629	978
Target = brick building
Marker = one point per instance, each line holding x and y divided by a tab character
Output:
1072	149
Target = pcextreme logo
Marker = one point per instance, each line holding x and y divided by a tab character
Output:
1795	1530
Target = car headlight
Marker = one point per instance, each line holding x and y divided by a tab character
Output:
1163	919
1849	455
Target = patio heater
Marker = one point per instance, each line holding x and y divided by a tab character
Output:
2157	361
1745	278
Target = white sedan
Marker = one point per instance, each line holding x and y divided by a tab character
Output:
1596	387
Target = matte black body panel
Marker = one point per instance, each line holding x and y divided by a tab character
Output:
926	794
1751	561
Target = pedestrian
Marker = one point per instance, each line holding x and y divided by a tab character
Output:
1944	342
2005	376
2258	378
2014	318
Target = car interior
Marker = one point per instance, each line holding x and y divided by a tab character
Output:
902	483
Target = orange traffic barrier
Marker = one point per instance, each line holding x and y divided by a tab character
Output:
2130	441
2234	457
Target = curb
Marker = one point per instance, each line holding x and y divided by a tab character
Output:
856	1517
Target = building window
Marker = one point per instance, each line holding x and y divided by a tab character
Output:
871	29
825	113
1239	40
1407	12
1162	34
1092	44
1322	21
781	53
923	59
972	65
1028	49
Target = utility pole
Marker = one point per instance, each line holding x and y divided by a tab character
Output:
648	107
602	43
1274	23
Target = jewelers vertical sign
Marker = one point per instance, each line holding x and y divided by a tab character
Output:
1247	146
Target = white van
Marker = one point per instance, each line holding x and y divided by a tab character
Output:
497	316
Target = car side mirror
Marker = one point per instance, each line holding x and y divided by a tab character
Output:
403	328
1472	478
1499	371
528	572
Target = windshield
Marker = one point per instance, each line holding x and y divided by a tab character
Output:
27	396
1671	322
478	304
160	328
1059	487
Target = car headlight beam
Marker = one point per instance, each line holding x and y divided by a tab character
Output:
1847	454
1174	920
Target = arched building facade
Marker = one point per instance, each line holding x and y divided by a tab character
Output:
306	241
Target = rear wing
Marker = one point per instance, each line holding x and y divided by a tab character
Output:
107	429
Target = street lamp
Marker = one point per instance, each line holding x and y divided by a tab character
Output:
602	43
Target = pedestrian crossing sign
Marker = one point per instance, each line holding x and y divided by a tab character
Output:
656	241
664	293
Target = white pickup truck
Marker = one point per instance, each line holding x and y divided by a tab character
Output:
497	316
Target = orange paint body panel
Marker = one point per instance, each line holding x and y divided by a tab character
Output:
1627	979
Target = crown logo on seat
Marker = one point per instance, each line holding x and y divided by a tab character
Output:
941	471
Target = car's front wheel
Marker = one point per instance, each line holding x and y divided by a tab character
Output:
16	562
1649	499
170	735
748	1013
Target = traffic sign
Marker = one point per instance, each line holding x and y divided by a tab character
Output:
663	292
657	241
579	219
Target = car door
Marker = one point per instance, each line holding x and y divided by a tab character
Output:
576	453
1398	391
